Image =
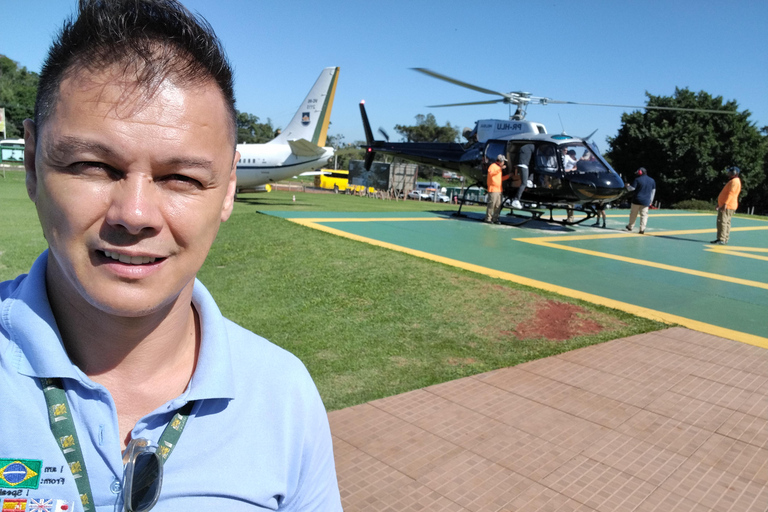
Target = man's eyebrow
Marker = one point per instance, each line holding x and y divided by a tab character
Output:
68	143
187	162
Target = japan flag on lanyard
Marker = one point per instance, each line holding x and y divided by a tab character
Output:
64	506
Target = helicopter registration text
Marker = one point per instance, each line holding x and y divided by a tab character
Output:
499	129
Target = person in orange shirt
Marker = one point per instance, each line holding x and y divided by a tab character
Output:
495	177
727	202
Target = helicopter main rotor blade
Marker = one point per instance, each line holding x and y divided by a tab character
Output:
460	83
648	107
524	98
470	103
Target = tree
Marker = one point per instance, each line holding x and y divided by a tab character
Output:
251	131
335	141
344	152
18	89
427	130
687	152
758	197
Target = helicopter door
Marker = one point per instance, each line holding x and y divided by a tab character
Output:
546	168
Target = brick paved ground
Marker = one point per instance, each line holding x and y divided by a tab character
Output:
675	420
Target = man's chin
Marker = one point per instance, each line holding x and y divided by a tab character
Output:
133	301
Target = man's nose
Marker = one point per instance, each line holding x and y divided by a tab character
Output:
135	205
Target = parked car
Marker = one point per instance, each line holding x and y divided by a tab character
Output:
418	194
441	197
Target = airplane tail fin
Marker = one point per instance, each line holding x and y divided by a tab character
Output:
369	153
314	115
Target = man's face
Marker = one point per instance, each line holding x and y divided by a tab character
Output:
130	189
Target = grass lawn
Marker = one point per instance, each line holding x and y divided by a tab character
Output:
349	310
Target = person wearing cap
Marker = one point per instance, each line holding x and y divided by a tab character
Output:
495	177
644	188
727	203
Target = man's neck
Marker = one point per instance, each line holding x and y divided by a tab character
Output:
130	348
143	362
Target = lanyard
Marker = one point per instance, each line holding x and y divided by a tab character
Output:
63	429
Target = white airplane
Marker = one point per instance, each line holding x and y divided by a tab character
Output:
299	147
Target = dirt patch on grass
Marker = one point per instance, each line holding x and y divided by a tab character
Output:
461	361
557	321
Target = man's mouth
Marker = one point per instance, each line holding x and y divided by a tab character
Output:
131	260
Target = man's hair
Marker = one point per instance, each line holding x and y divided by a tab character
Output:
151	39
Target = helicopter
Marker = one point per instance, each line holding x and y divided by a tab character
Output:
564	171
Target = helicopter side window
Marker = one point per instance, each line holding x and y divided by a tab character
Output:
581	158
494	149
546	159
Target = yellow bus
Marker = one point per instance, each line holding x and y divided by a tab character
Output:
338	178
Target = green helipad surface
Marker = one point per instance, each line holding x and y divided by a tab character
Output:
672	273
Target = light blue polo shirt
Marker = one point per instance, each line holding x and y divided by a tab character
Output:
257	439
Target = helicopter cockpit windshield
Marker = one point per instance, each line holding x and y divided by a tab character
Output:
581	158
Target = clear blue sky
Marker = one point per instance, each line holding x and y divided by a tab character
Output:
596	51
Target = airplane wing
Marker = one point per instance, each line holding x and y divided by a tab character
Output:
315	173
302	147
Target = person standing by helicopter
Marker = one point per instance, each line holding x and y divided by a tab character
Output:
600	209
644	188
727	202
524	159
495	177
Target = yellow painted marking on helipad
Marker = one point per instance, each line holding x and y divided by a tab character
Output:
744	252
552	242
623	234
655	215
632	309
377	219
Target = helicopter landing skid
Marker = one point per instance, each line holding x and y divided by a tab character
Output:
538	215
532	215
590	214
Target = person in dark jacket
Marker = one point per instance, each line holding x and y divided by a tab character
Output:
644	188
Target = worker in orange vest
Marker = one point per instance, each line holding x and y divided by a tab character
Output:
727	202
495	177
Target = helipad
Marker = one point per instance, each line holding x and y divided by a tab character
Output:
671	273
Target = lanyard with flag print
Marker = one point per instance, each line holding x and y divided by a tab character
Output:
63	428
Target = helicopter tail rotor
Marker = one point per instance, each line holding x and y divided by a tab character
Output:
369	152
366	124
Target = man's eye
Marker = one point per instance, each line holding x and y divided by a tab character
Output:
182	179
93	167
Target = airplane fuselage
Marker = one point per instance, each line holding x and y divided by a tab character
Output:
261	164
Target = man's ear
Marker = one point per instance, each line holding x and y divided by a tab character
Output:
29	158
229	200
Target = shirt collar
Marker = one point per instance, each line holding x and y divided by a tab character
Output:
213	377
29	320
39	350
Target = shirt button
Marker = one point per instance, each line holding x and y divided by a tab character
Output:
115	487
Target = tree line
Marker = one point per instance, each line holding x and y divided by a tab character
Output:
685	152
